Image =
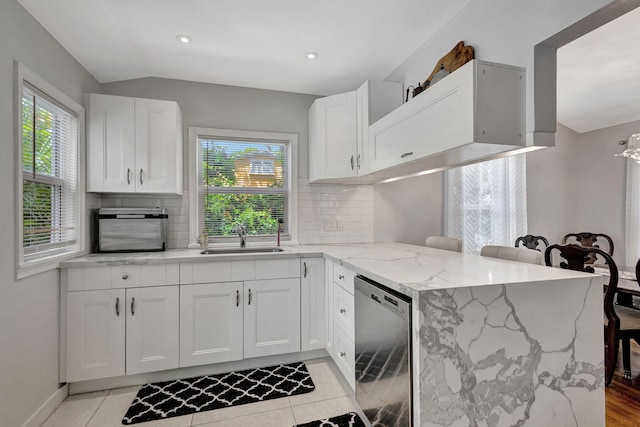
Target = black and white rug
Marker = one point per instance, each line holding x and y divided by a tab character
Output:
181	397
347	420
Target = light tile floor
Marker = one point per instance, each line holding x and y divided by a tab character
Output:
331	397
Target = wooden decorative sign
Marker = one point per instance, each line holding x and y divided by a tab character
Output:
456	58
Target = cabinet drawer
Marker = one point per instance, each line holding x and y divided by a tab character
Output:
343	277
343	314
125	276
205	272
344	355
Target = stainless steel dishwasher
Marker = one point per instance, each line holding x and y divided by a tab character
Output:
383	354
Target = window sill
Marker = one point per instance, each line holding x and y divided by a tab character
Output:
41	265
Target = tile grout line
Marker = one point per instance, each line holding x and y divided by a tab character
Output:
97	408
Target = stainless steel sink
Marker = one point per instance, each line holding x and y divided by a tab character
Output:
224	251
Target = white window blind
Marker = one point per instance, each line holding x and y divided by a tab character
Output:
49	145
242	181
486	203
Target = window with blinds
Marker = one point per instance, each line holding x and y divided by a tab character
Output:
49	146
242	181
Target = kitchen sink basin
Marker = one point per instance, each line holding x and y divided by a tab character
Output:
225	251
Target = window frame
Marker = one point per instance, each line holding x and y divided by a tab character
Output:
291	139
30	264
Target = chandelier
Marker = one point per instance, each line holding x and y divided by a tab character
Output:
633	152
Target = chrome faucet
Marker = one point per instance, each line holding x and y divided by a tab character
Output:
241	231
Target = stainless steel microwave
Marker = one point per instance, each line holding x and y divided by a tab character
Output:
132	229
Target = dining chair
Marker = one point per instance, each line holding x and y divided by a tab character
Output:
620	323
589	240
530	241
512	254
446	243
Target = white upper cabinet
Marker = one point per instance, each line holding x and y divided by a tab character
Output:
474	114
134	145
332	137
338	130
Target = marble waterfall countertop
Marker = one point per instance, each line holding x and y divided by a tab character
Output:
403	267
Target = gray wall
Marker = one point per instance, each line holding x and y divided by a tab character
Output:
409	210
29	307
228	107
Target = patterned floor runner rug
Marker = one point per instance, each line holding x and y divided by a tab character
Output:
181	397
347	420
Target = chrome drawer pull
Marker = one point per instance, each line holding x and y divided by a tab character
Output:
249	296
141	176
305	269
128	176
343	354
133	302
118	307
237	298
403	155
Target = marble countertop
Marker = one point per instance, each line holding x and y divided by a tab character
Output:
407	268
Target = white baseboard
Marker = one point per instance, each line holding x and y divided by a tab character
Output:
194	371
48	407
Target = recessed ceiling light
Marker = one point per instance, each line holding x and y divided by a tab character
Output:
311	55
183	39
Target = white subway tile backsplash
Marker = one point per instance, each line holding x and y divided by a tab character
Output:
352	205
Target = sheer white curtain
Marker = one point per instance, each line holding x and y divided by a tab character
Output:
487	203
632	211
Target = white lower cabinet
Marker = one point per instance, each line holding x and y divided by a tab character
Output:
312	304
344	355
328	292
271	317
102	324
152	329
211	323
95	331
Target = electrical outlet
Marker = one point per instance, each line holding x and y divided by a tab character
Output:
339	224
329	224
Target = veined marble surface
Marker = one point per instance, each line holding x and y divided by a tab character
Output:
512	355
403	267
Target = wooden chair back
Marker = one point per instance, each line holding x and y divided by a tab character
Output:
531	242
589	240
577	258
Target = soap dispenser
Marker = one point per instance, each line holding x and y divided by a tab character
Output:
204	238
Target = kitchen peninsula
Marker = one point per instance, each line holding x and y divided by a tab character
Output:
495	343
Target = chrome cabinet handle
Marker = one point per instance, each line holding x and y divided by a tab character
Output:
403	155
340	276
237	298
125	276
343	354
133	302
352	162
358	161
249	302
140	176
118	307
128	176
343	311
305	269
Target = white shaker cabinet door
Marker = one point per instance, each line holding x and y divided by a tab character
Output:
312	308
152	329
211	323
271	317
95	334
333	137
110	143
158	150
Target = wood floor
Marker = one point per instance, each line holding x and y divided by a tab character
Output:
623	396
